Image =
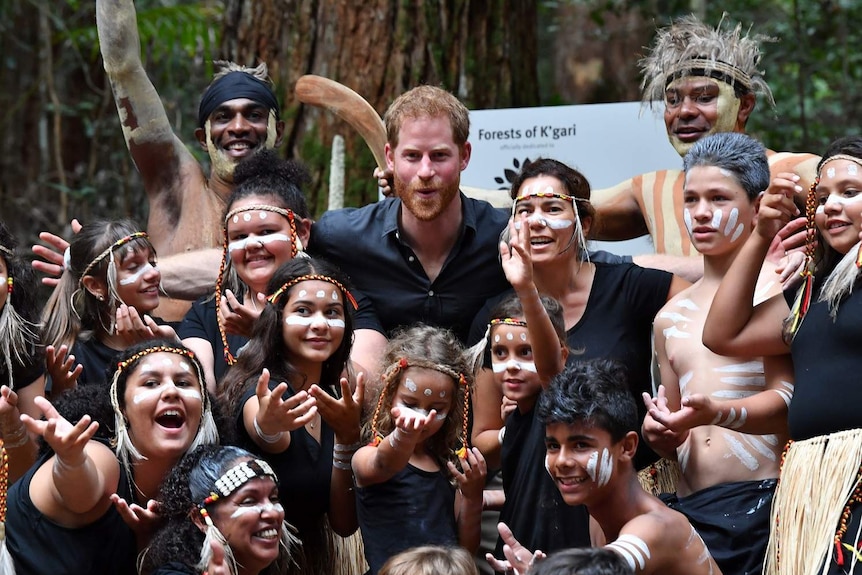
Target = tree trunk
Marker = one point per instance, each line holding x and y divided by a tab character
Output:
483	51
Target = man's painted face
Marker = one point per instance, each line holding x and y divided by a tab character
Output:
236	130
695	107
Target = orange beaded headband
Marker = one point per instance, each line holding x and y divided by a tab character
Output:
111	248
273	299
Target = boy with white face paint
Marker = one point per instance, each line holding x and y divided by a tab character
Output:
590	420
723	419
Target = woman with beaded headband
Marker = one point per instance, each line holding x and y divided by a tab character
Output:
418	482
69	513
820	326
221	515
608	308
294	408
22	369
102	302
266	224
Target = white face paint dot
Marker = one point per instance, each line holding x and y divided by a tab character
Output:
510	337
146	367
496	339
302	293
320	294
550	190
830	172
235	219
246	217
442	394
410	384
167	361
334	296
523	337
852	169
185	366
428	392
262	215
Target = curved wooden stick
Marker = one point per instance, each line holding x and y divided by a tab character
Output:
347	105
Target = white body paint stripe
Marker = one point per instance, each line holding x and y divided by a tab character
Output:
750	366
741	453
634	547
672	331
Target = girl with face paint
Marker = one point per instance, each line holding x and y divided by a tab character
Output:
418	445
102	304
89	500
266	224
221	514
819	326
295	410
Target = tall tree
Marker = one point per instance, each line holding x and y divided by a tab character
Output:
482	51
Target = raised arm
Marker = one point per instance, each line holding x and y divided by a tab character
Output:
734	326
165	165
518	267
618	215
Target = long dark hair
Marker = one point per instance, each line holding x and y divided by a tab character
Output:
266	348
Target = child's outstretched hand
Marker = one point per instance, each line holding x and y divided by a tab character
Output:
518	559
409	424
471	481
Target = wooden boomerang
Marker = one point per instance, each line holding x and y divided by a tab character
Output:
347	105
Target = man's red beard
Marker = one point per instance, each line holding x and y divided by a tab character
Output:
425	209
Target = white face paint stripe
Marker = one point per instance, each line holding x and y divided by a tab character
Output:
263	240
500	367
686	217
592	464
410	385
309	320
144	394
716	219
606	469
552	223
258	509
144	269
731	221
739	229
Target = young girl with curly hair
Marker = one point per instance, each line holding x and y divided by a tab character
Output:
405	496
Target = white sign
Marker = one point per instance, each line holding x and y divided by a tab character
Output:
608	143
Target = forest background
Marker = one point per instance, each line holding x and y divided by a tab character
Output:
63	153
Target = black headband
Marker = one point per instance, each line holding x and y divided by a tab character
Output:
716	69
236	85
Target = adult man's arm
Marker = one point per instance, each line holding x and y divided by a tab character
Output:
618	215
165	165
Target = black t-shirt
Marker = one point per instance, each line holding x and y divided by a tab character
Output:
304	469
827	398
366	244
201	322
23	374
41	547
96	358
413	508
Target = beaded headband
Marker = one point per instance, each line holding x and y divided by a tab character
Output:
847	157
7	251
239	475
295	248
110	249
507	321
273	299
716	69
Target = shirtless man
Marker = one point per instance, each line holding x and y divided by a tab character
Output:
724	419
708	80
590	421
238	115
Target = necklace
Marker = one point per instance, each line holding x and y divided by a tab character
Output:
313	423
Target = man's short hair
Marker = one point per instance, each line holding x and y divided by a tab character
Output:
427	102
741	155
592	392
583	561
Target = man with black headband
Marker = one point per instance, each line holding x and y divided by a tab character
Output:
238	115
708	80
